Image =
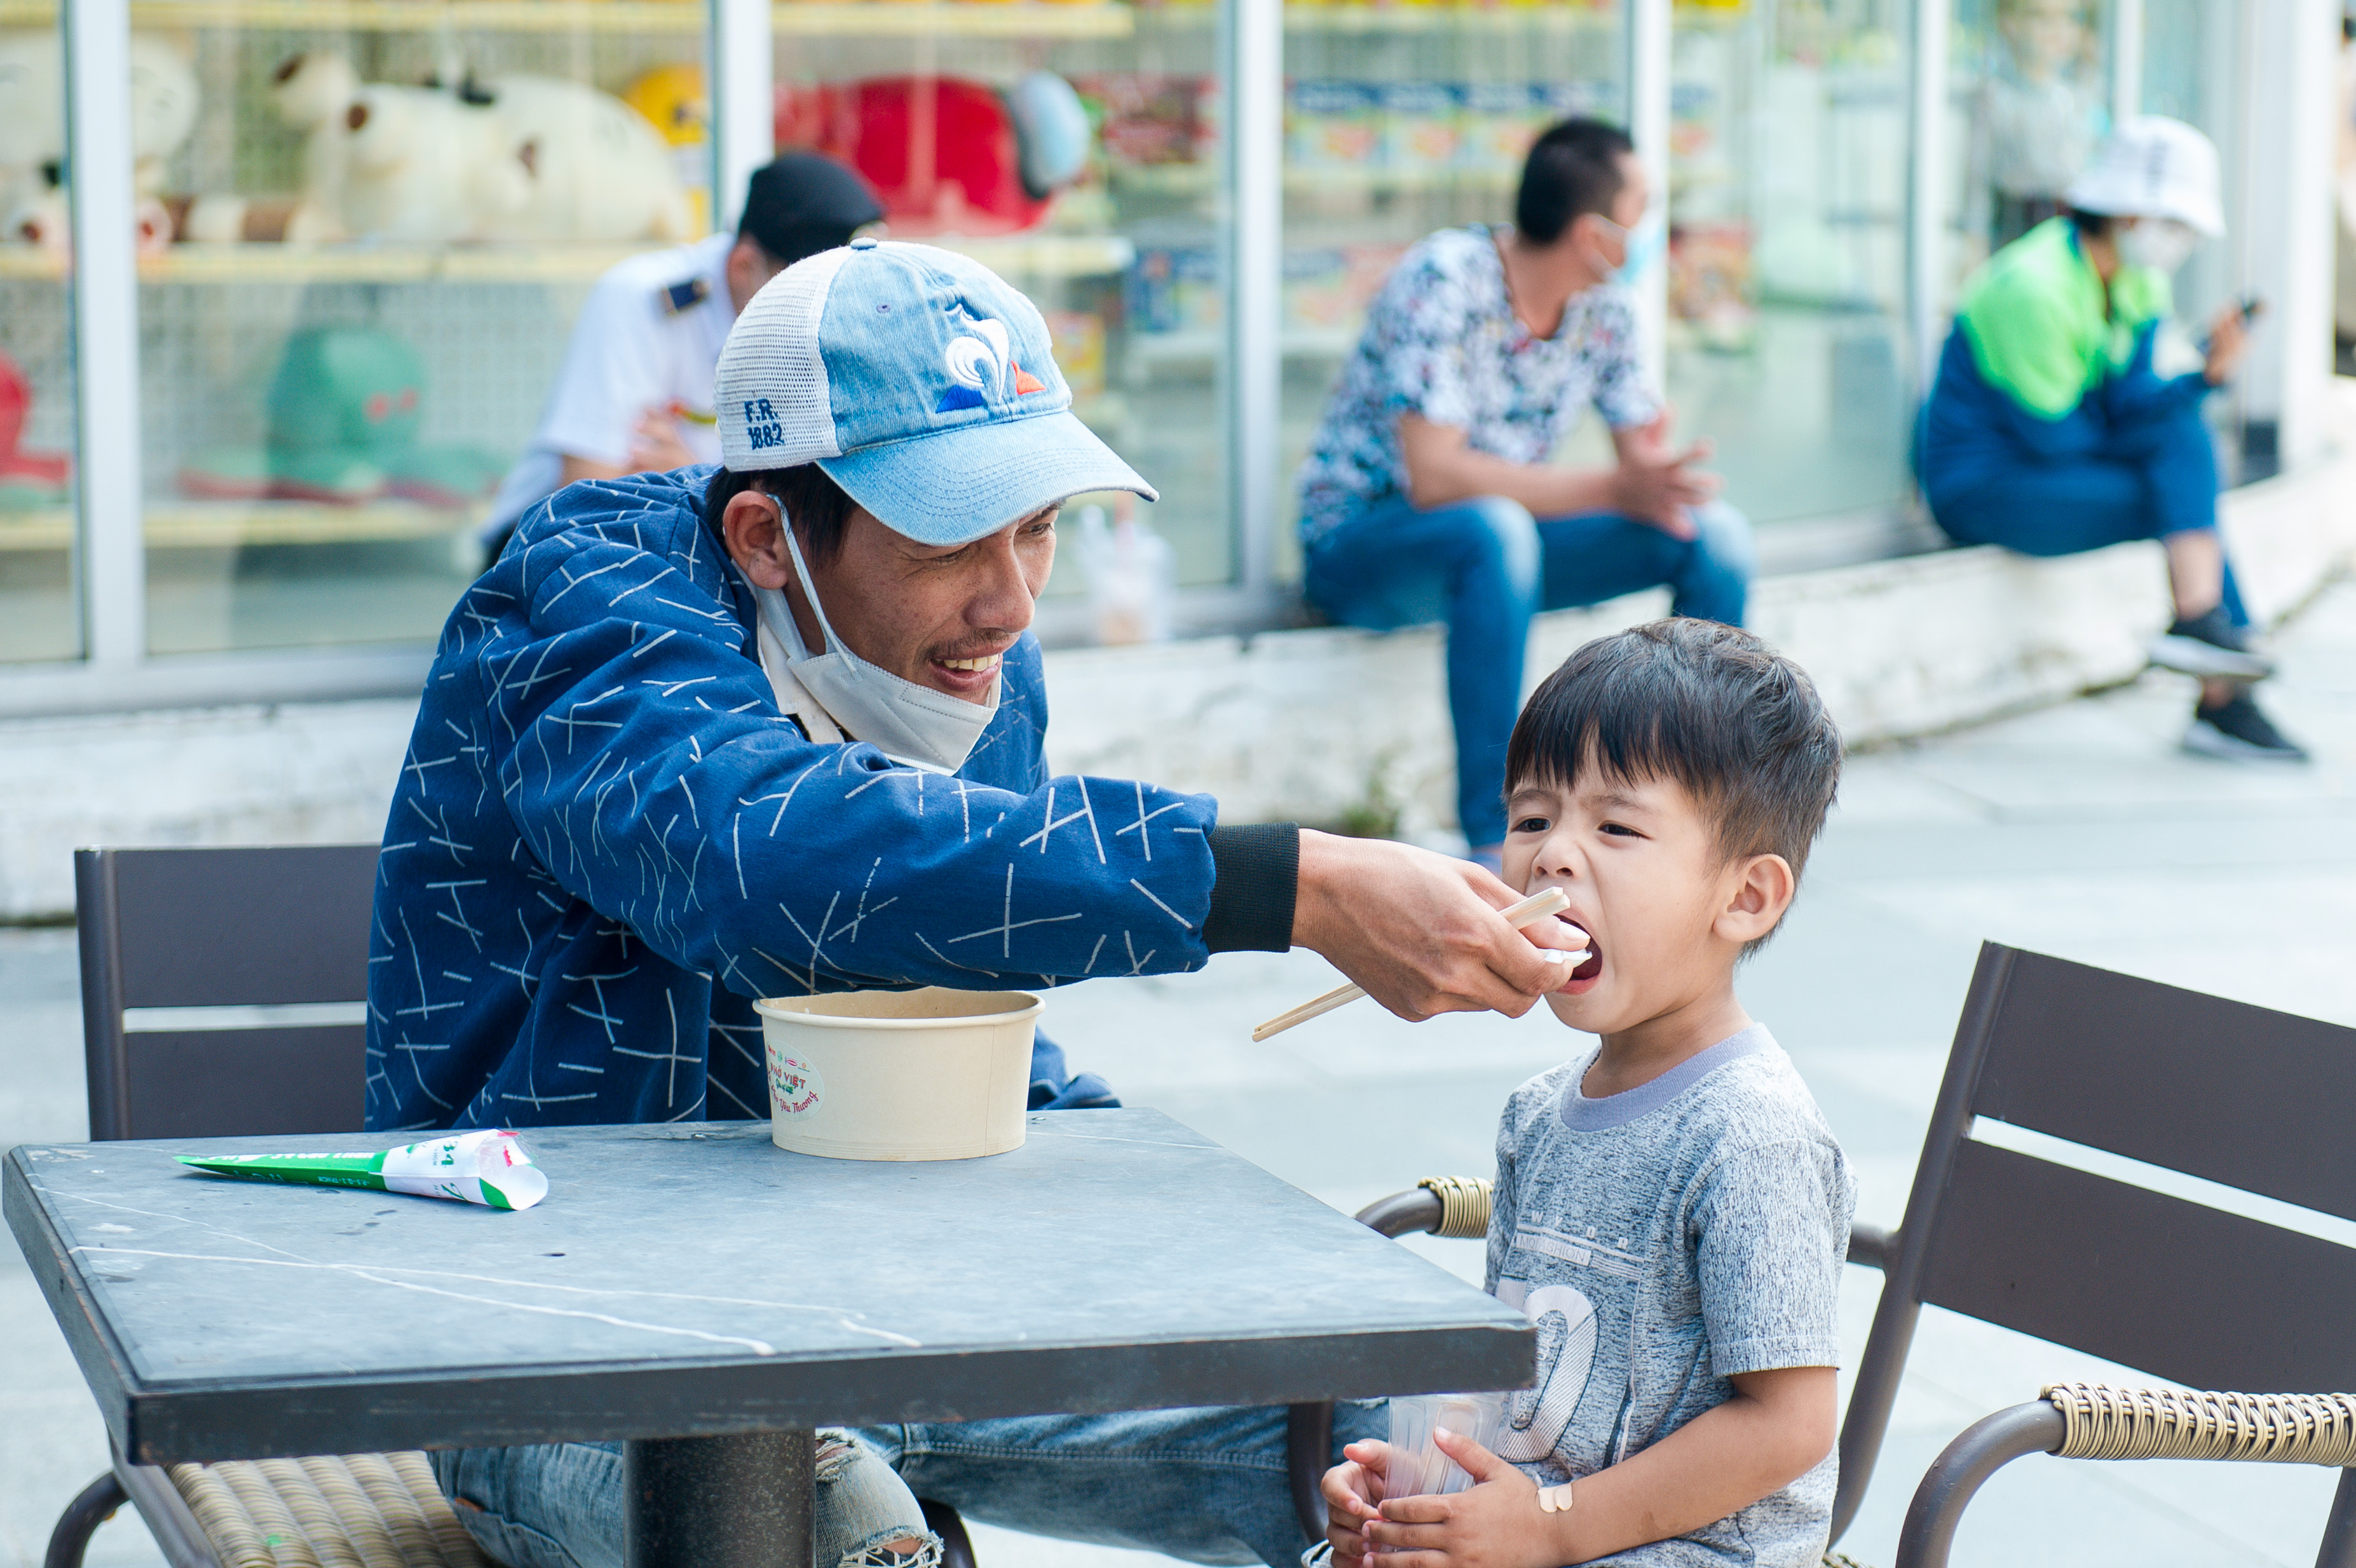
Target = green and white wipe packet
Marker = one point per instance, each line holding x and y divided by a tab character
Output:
489	1167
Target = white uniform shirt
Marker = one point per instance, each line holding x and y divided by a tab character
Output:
643	340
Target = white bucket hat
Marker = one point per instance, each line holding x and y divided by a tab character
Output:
2153	166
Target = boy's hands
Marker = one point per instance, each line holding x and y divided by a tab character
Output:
1353	1494
1497	1524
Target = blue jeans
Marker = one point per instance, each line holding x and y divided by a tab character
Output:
558	1505
1207	1485
2146	482
1486	565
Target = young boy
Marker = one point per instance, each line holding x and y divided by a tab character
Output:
1671	1210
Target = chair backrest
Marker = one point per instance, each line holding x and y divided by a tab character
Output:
2241	1096
223	989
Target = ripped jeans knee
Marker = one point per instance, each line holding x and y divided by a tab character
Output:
866	1517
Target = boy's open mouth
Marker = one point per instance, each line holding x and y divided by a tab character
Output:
1594	964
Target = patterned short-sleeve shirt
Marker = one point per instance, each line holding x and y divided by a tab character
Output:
1441	341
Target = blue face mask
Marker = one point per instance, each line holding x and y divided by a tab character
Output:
1639	247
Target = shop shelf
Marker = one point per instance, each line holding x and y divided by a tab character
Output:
872	18
1198	178
217	525
1016	255
1314	18
1519	19
964	19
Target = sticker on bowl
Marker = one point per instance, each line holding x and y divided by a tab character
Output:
795	1086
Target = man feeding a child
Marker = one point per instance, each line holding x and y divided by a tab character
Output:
779	727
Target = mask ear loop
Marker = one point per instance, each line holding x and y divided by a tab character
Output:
809	589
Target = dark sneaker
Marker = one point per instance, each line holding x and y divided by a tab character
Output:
2238	732
2210	646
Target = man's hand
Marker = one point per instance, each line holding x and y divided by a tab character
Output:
2229	340
1495	1524
1420	932
656	446
1353	1494
1655	483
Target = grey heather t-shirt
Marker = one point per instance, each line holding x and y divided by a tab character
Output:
1663	1240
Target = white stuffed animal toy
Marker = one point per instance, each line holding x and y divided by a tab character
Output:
523	157
163	104
598	170
312	92
422	166
410	165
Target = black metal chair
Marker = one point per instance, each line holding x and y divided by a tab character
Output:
223	992
2235	1094
221	995
271	944
2241	1096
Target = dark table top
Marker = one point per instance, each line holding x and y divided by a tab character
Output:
694	1280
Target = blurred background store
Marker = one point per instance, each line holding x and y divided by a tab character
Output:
330	249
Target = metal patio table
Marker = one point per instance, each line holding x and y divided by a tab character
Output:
708	1299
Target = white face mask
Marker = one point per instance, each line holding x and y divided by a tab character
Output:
1639	247
2162	245
909	724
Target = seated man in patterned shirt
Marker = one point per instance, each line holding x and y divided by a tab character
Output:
1429	494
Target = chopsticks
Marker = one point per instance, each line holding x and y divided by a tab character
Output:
1528	912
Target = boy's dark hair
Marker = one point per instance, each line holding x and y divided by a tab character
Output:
1708	706
1573	169
813	502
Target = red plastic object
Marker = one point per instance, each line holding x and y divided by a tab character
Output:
938	150
48	469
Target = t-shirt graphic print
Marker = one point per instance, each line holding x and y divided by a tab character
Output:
1661	1242
1536	1419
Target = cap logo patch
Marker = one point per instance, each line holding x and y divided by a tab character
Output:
979	360
761	426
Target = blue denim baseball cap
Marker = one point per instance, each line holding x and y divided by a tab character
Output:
919	382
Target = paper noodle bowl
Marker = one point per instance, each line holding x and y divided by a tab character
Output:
933	1074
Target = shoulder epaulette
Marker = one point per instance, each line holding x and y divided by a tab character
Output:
686	295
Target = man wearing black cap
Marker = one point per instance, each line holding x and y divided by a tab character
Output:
635	393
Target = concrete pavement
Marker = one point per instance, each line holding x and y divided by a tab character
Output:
2076	830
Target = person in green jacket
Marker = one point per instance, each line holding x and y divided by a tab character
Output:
2049	431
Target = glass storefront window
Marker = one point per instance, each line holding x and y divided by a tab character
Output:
39	614
1400	120
949	111
366	231
2031	96
1787	250
2191	49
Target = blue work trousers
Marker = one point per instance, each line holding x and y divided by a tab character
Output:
1485	566
2147	480
1207	1485
560	1505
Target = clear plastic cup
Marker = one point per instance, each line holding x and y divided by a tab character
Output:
1418	1467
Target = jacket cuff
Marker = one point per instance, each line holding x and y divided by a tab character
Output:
1256	873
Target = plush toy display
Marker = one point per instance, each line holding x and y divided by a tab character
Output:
26	476
598	170
995	162
163	104
517	157
344	415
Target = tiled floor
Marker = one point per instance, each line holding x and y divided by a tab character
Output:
2078	830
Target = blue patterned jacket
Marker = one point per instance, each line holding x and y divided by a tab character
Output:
606	840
